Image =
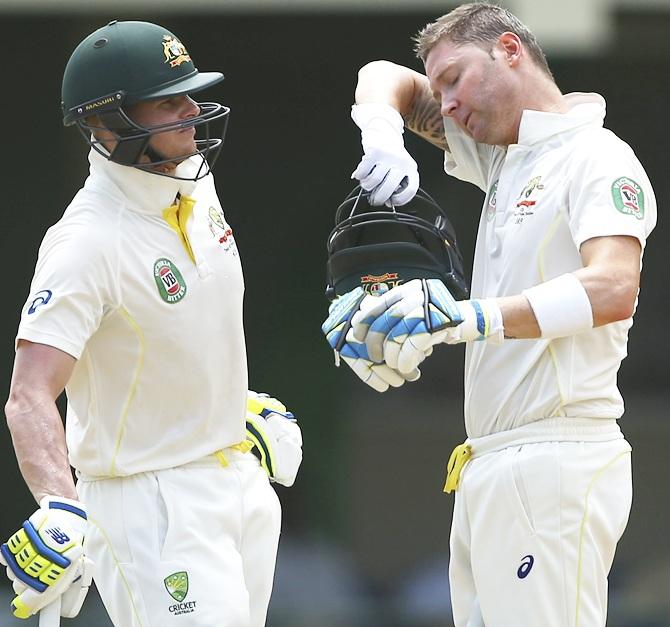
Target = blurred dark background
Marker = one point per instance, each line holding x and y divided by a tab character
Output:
366	526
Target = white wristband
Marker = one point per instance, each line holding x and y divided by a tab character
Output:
377	112
561	306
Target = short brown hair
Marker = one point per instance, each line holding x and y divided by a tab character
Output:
477	23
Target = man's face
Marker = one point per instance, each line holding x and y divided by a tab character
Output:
477	89
173	144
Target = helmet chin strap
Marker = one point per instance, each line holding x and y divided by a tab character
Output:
153	154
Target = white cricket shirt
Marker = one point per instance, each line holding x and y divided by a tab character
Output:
567	180
161	374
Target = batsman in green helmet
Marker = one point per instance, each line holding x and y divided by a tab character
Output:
135	310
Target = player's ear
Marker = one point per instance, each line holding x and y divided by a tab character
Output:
511	47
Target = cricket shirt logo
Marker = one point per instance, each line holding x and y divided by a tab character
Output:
525	205
41	298
177	586
174	51
169	281
628	197
492	201
527	562
221	230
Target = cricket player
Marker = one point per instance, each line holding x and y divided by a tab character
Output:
543	482
135	309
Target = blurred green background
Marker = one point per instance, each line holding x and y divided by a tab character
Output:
365	540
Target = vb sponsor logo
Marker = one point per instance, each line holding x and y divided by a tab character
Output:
526	566
628	197
169	281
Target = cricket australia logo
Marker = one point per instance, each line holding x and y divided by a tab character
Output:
628	197
169	281
525	205
220	230
174	51
177	586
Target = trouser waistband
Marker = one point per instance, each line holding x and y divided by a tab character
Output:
548	430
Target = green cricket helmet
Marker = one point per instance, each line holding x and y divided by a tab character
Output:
128	62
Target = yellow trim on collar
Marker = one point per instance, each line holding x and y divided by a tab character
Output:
177	216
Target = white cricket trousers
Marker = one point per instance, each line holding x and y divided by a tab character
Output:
537	517
192	546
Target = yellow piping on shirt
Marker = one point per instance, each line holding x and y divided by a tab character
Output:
132	390
551	231
118	566
582	530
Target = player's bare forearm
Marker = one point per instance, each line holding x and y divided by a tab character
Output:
408	92
39	443
519	320
424	117
610	277
40	374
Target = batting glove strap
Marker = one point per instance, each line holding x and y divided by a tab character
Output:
482	320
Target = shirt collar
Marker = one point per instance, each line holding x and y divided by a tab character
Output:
143	191
586	109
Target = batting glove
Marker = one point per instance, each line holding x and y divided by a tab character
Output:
338	332
404	325
480	320
386	170
45	559
413	310
276	437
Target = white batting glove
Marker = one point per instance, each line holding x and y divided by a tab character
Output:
276	437
386	170
337	329
45	558
406	323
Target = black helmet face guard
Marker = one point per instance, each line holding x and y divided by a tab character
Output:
132	140
378	248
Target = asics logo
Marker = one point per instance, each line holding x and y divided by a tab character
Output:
526	566
57	535
41	298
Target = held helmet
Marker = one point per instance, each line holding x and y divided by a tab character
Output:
128	62
378	248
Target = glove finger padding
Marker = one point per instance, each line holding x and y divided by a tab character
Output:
419	307
276	437
46	554
340	313
371	307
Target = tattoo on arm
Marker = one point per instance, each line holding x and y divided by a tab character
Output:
424	119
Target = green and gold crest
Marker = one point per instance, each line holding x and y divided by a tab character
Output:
177	585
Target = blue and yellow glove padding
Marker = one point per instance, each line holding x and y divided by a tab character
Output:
276	437
45	558
410	314
414	317
337	329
